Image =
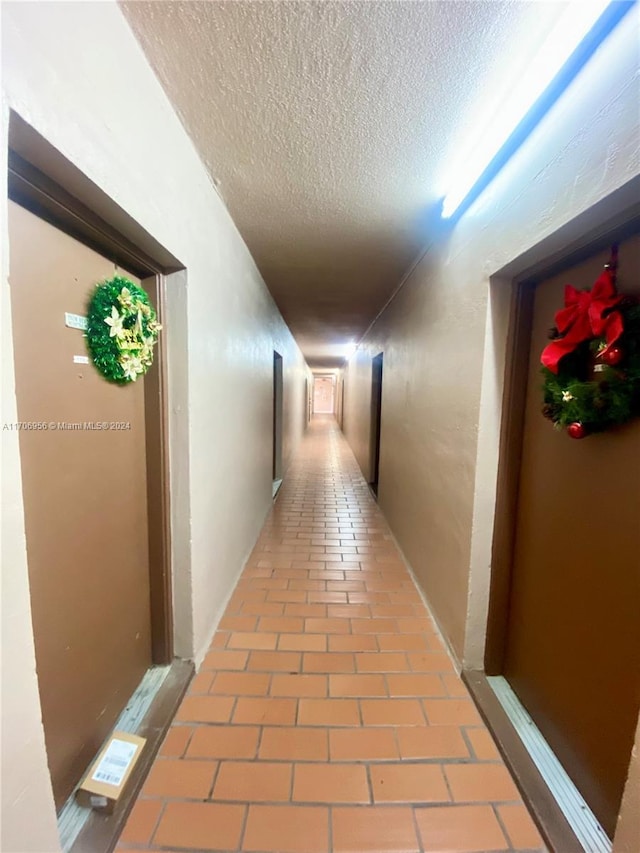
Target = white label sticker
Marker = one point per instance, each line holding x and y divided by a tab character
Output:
115	762
98	802
75	321
81	359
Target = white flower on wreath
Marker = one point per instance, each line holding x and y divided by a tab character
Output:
567	396
131	366
115	321
125	298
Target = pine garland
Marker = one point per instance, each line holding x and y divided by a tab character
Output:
122	330
608	398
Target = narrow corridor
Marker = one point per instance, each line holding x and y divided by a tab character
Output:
327	715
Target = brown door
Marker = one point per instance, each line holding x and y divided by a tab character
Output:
573	648
85	501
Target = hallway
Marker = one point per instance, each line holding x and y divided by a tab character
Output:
327	715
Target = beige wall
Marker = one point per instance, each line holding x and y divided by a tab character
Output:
443	338
75	73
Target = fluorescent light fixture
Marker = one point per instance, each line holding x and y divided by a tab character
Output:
578	33
349	349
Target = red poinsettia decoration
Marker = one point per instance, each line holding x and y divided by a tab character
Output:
587	314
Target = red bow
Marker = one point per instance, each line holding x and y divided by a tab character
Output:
584	317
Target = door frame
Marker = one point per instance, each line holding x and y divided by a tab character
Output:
513	407
377	378
278	415
500	433
44	182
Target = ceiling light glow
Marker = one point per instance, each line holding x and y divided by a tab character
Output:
349	349
580	30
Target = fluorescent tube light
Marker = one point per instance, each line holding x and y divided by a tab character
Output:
579	32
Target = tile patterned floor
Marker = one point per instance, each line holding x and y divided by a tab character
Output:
327	715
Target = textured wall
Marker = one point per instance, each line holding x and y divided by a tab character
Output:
76	73
328	126
443	341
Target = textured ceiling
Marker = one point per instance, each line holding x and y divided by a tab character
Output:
328	128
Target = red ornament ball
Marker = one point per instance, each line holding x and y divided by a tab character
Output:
577	430
612	356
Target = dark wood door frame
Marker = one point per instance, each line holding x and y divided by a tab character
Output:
278	413
512	423
377	366
114	234
616	216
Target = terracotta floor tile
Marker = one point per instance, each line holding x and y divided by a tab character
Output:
265	712
483	745
327	626
460	829
374	626
303	642
431	742
454	685
348	611
294	744
220	660
374	830
142	822
408	783
299	685
342	686
180	779
318	611
521	830
451	712
281	624
201	683
363	744
176	740
352	643
224	742
415	684
238	623
382	662
330	783
287	829
258	781
430	662
255	640
328	662
392	712
266	608
327	702
481	783
328	597
288	596
205	709
241	683
203	826
403	643
274	662
220	639
328	712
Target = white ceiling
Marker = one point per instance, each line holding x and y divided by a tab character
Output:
329	128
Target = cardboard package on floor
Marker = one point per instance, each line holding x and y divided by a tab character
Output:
107	777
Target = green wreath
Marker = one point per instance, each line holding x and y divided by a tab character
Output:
593	384
122	330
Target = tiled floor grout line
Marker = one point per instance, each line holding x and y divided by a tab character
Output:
310	737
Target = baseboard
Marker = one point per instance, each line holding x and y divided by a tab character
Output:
101	832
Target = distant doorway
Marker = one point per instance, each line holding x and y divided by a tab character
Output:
323	395
277	417
376	420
